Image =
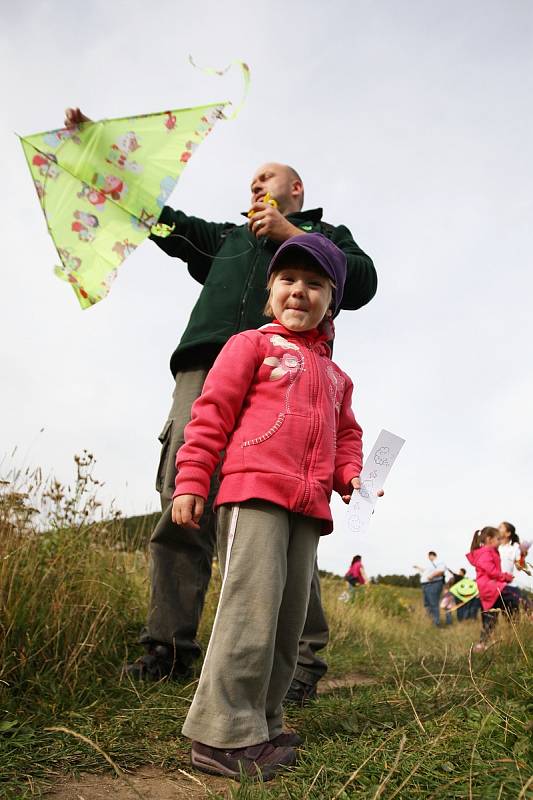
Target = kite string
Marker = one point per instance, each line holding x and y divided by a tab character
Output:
210	255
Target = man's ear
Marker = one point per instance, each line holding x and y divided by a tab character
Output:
297	188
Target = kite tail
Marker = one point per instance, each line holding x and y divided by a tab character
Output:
245	69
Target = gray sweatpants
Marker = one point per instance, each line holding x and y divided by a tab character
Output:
267	556
181	559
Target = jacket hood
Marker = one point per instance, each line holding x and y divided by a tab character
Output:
475	556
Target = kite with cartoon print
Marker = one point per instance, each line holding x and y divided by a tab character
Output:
102	186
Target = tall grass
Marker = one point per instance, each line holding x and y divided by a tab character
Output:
437	721
69	593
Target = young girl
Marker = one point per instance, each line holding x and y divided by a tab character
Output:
281	410
510	553
491	581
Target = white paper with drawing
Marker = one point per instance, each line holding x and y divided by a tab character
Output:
375	470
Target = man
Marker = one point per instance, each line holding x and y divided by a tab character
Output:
230	261
432	582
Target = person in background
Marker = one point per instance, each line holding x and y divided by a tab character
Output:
432	583
493	583
448	603
356	575
509	550
456	577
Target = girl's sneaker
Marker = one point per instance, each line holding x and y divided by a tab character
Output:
480	647
258	761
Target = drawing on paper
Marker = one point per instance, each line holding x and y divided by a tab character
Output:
382	456
375	470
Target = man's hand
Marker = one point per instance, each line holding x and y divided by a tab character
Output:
268	221
73	116
187	510
356	484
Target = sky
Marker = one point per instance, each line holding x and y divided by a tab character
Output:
412	124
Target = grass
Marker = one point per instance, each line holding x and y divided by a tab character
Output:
437	722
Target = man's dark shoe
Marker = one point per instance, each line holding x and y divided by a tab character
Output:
287	739
300	693
157	663
258	761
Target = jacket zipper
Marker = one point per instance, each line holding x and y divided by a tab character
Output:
314	429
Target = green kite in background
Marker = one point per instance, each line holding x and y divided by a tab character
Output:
102	186
465	590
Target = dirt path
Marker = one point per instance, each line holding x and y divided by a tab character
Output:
329	685
152	783
148	783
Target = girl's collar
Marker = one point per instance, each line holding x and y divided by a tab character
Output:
325	332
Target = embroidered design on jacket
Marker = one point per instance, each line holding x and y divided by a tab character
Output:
279	341
336	387
290	364
287	363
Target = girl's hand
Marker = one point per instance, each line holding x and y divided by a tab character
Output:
187	510
356	484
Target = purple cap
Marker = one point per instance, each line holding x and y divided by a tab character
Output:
324	252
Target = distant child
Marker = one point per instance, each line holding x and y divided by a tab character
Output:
510	553
447	604
492	583
280	410
356	575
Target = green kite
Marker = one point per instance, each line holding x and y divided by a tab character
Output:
102	186
465	590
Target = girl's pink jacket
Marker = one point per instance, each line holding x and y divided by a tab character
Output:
489	576
355	572
281	410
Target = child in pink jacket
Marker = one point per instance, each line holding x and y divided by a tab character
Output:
492	583
356	574
280	410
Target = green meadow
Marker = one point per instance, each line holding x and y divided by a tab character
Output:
408	710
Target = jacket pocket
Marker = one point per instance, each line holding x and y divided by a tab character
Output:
164	437
266	434
280	449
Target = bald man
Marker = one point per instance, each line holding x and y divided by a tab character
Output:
230	262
